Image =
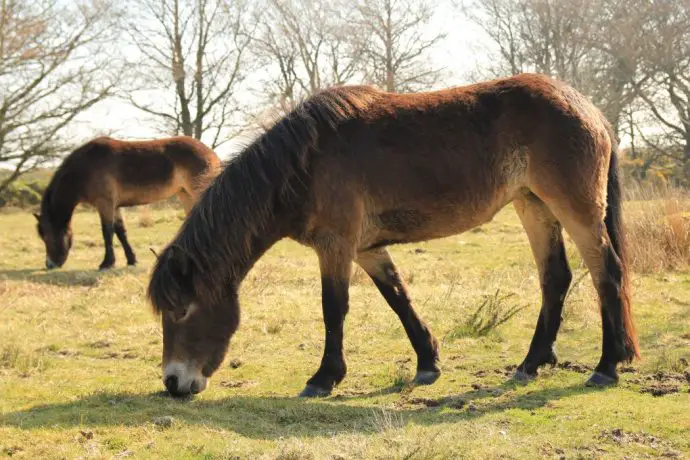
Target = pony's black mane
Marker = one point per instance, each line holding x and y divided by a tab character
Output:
59	199
223	233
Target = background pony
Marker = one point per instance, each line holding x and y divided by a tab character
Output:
110	174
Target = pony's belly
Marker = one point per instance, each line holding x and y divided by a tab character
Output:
410	226
414	224
133	196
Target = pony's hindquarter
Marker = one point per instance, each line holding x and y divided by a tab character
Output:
582	193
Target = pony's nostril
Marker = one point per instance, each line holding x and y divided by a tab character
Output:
171	383
194	388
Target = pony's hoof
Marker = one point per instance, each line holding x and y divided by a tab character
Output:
523	377
312	391
597	379
103	268
426	377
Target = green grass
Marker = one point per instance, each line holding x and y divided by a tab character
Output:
80	359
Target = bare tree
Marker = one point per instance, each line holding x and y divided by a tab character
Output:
305	45
570	40
632	57
395	42
663	82
192	58
51	70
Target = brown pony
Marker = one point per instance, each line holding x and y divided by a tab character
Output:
353	169
110	174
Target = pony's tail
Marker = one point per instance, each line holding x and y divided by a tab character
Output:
616	231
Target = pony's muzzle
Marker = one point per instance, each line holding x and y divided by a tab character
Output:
180	382
50	264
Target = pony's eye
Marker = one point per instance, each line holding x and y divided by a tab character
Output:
180	314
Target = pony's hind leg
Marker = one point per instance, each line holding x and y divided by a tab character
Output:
546	240
121	233
379	266
336	267
606	270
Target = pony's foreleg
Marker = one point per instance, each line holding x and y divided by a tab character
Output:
108	228
546	240
335	281
379	266
121	233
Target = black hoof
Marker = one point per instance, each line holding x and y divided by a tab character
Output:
523	377
598	379
132	263
103	268
311	391
426	377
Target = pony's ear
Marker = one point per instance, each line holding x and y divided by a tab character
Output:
180	260
37	216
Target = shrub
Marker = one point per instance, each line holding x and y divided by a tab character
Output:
21	195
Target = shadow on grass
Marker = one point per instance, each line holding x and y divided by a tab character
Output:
64	277
261	417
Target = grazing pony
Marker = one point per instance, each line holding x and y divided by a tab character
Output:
352	170
110	174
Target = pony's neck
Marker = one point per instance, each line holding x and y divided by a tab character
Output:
217	275
62	200
258	246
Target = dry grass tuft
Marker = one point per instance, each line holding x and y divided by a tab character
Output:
658	227
383	420
25	363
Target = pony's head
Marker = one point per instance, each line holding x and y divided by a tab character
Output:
197	324
57	239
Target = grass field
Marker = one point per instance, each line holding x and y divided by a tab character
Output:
80	359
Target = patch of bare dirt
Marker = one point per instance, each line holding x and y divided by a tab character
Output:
118	355
13	450
100	344
660	389
662	383
622	437
507	371
424	402
238	383
575	367
454	402
628	370
548	450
